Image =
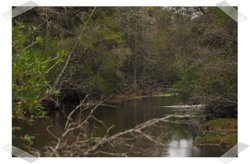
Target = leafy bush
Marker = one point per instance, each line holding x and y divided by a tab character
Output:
29	70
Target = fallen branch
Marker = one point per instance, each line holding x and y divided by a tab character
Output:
80	144
73	111
69	129
138	128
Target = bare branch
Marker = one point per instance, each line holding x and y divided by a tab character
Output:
150	138
52	134
84	145
140	127
72	51
73	111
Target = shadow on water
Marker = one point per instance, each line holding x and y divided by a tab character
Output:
177	135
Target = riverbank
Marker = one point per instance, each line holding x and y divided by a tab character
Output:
218	132
125	97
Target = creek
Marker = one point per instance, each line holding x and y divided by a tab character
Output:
178	134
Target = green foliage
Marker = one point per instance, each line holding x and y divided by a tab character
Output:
29	70
187	74
222	131
86	70
221	123
221	17
228	140
98	85
17	128
149	48
112	63
52	92
208	66
103	14
28	139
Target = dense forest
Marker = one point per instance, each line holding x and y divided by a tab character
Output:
64	55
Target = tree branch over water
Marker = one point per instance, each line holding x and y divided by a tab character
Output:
75	142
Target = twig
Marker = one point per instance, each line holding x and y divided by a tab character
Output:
108	105
32	44
140	127
108	130
99	121
52	134
150	138
72	51
112	154
73	111
84	121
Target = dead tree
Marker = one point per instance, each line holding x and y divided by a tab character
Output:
74	140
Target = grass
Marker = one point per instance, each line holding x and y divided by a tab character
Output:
221	140
154	95
166	94
221	131
161	94
221	124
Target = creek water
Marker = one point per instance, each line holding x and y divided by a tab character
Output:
178	134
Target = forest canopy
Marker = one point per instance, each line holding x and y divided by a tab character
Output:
64	52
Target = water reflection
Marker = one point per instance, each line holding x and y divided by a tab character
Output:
178	134
182	148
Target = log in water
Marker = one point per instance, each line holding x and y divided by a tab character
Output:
177	133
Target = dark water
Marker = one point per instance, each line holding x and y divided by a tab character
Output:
177	134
